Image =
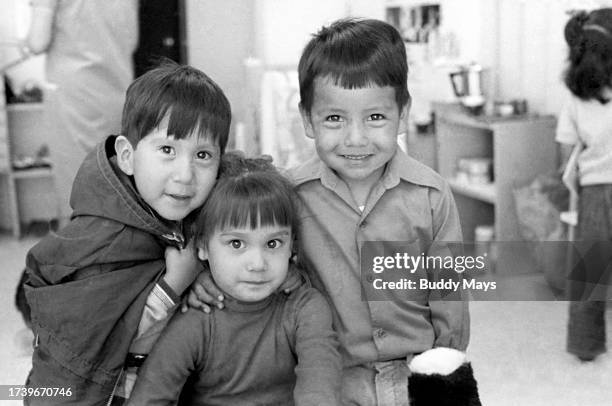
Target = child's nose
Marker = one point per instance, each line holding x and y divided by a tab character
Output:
256	261
355	136
183	171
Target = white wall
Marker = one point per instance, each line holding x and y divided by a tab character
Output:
466	18
531	53
532	50
366	8
222	34
284	27
219	36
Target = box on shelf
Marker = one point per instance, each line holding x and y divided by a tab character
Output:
474	170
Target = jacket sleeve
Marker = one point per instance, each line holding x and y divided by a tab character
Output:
318	370
178	352
450	318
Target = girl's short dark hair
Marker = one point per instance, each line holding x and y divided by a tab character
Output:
589	37
355	53
192	100
249	193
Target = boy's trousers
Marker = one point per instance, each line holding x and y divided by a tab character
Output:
376	384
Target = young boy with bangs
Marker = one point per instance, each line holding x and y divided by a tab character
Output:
101	289
361	187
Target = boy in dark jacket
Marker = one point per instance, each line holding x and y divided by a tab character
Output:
101	289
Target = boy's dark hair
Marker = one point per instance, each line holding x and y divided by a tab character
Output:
589	37
250	192
192	100
355	53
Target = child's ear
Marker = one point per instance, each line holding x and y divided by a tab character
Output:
403	123
125	154
306	121
202	253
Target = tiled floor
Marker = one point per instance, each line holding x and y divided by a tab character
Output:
516	348
15	338
518	356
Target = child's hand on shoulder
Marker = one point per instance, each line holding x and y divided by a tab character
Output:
293	281
204	293
182	267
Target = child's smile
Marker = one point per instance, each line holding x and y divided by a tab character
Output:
356	157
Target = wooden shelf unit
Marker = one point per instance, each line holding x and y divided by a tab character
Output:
31	189
521	147
32	173
485	192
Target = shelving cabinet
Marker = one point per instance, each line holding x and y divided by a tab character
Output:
521	147
27	194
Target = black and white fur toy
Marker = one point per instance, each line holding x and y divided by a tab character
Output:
442	377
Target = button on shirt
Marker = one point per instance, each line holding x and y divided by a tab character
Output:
410	203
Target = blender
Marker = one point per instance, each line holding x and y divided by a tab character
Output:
467	85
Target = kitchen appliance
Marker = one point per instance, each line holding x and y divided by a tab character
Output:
467	85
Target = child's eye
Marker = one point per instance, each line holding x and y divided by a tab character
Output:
166	149
236	244
334	118
276	243
204	155
376	117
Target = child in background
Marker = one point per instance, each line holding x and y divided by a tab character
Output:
265	347
361	187
101	289
586	118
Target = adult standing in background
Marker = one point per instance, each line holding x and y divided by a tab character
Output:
89	46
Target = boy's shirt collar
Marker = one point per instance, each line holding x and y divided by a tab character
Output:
400	167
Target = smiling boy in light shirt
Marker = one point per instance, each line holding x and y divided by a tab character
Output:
361	187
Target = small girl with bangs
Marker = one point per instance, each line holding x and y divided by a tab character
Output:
266	347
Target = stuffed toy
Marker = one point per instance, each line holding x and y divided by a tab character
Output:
442	377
